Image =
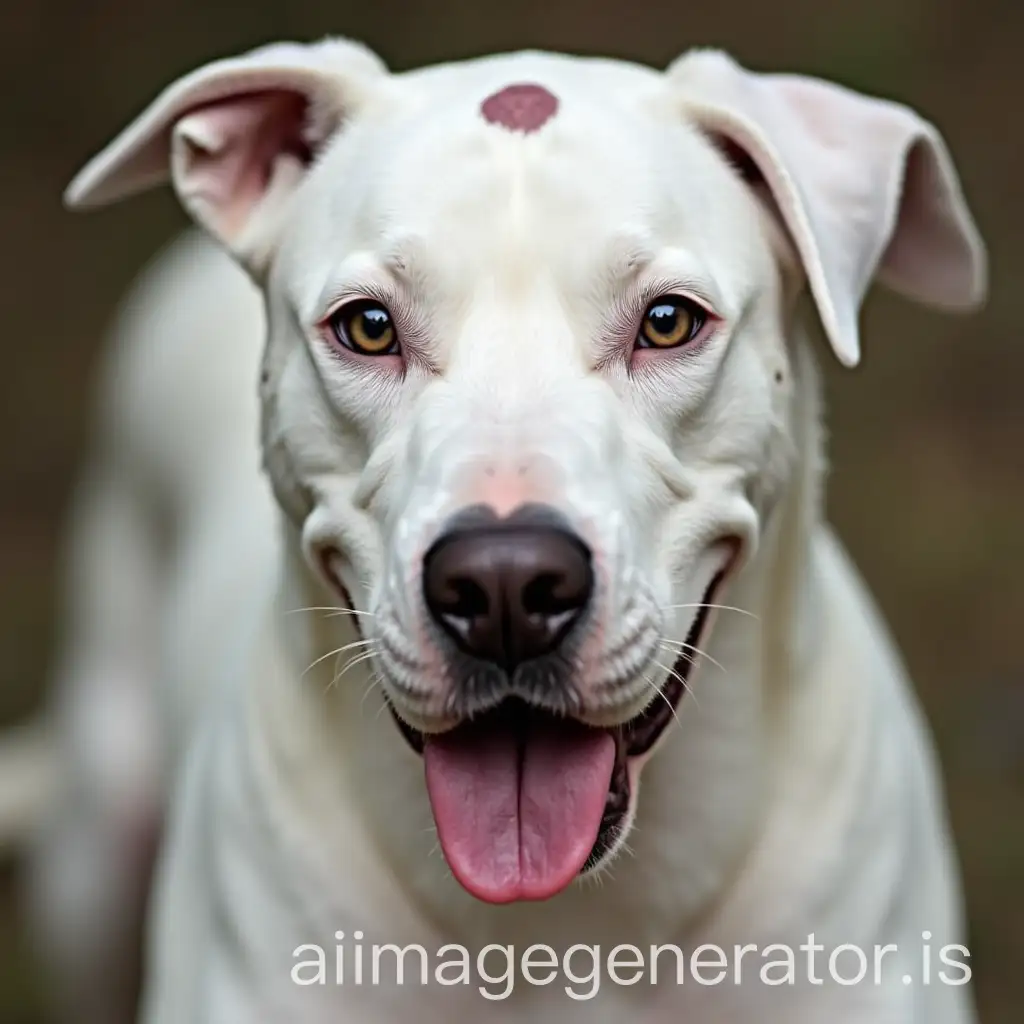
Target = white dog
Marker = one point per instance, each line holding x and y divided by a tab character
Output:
538	408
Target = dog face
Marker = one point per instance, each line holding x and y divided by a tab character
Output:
554	361
527	391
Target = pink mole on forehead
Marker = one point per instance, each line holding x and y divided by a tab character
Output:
520	108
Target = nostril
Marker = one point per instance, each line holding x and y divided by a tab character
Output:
466	599
549	595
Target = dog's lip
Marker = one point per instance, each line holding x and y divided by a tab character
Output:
413	737
645	729
636	736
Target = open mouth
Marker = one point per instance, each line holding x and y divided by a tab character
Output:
524	801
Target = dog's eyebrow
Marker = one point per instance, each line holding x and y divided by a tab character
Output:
628	256
399	253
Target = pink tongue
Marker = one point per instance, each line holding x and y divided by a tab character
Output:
518	815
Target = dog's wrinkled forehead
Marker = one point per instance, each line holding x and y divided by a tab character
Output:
528	166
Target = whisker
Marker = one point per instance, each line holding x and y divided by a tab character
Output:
384	704
351	663
331	609
682	681
660	693
375	680
716	607
679	645
337	650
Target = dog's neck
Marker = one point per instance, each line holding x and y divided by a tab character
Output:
704	794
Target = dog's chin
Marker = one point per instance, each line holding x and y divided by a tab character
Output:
581	757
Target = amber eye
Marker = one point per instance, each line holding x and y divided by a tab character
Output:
365	327
669	322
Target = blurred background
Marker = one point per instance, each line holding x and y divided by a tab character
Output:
927	482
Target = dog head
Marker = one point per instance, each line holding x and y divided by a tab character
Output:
528	394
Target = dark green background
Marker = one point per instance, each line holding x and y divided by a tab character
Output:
927	480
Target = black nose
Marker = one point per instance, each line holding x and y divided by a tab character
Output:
508	590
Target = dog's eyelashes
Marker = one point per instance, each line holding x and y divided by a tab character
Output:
365	327
670	321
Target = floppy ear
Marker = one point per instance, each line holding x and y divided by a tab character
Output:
863	186
235	137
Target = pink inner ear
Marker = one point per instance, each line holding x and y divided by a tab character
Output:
523	108
231	148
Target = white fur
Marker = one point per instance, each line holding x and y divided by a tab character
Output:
797	793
